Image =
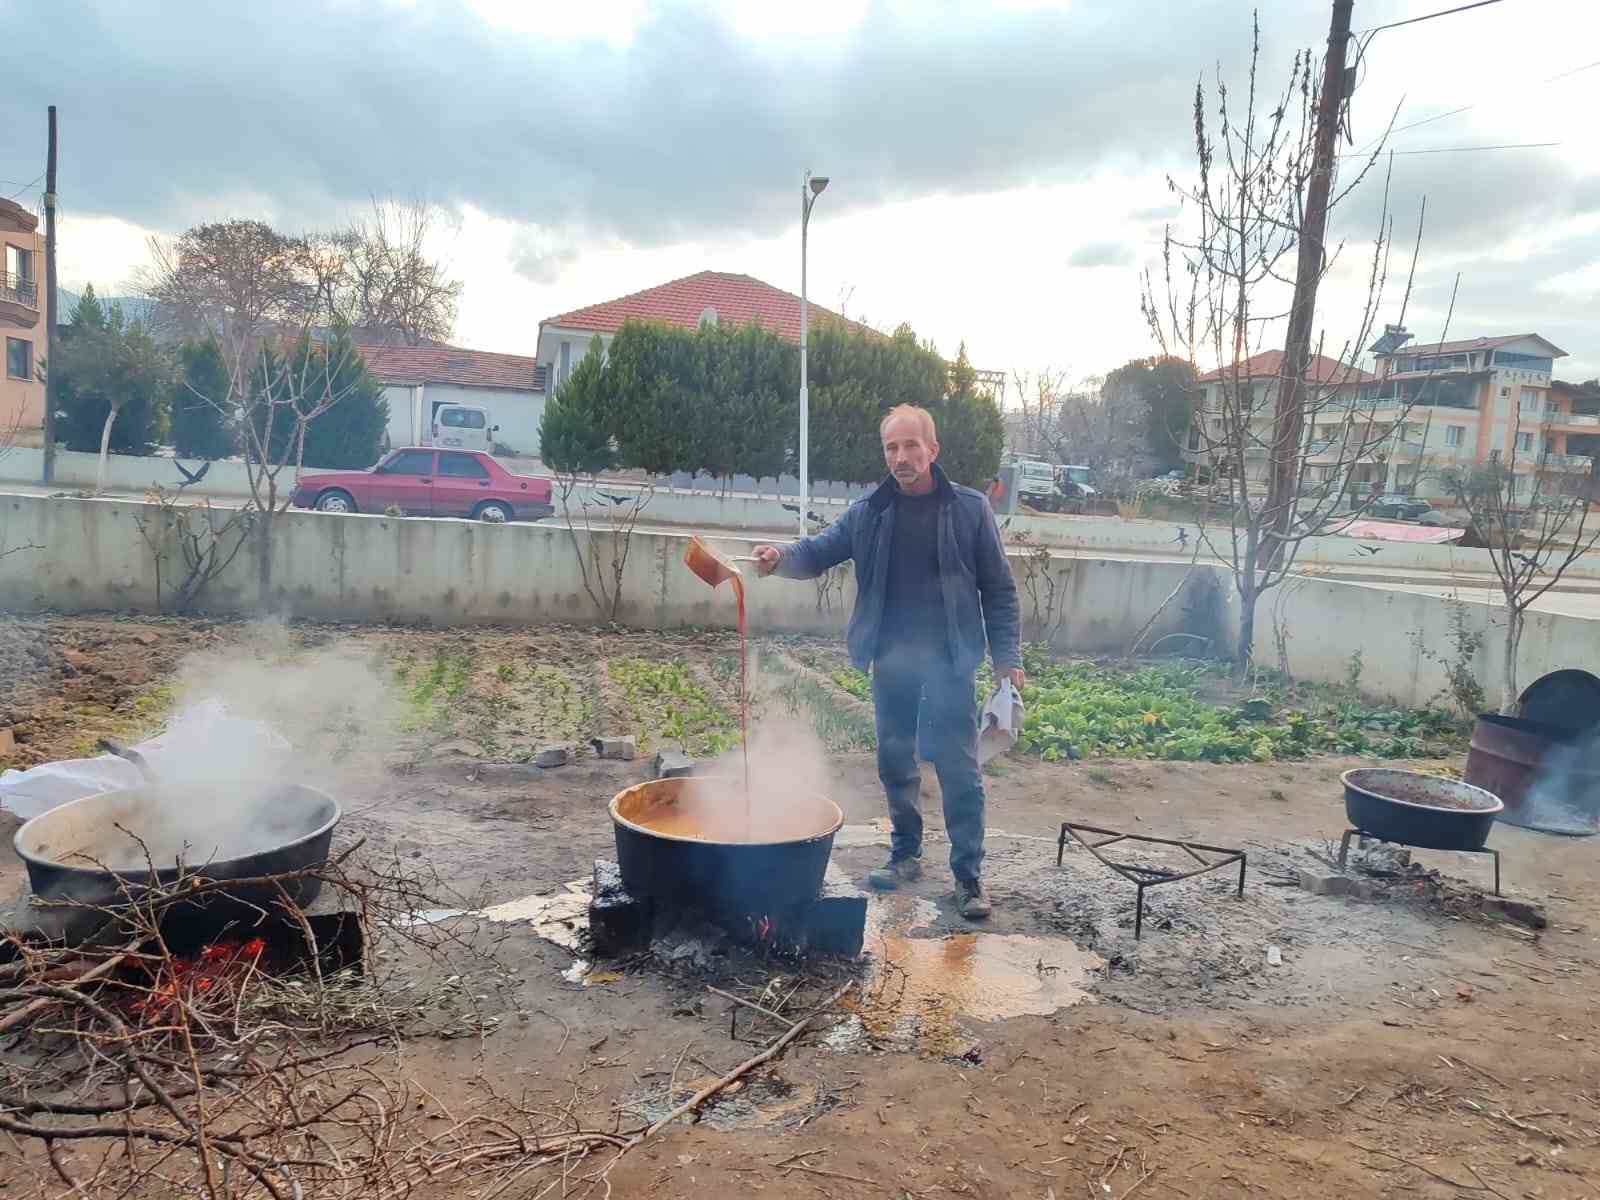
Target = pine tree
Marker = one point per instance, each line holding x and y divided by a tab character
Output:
572	432
199	426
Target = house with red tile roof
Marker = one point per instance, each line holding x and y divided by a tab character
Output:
716	296
418	380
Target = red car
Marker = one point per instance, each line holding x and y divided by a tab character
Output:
423	482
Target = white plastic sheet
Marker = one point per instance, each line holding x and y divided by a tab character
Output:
205	732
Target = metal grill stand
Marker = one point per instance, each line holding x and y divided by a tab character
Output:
1344	852
1147	877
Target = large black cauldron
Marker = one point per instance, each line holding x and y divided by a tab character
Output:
1419	810
684	843
102	850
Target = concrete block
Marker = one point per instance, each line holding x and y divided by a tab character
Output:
552	756
836	921
1325	883
670	764
618	920
623	749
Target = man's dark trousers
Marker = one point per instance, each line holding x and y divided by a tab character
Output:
903	685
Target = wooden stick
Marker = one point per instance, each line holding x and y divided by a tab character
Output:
44	1002
751	1005
837	1175
749	1064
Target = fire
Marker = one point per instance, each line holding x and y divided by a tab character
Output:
217	968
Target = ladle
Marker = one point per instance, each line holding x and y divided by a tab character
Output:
131	755
712	566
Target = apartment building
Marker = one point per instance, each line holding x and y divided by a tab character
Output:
1477	400
1251	388
21	322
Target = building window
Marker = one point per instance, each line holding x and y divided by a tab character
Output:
1452	434
1505	391
1552	408
19	264
19	358
566	362
1524	442
1529	401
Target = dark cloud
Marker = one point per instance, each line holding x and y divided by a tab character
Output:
1504	295
304	109
1475	200
1101	254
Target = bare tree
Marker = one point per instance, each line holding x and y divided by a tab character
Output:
1227	290
264	297
1533	514
1104	431
236	280
1035	429
380	280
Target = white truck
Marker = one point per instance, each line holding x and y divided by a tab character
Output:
1048	487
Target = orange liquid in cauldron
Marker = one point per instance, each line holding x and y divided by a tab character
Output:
707	810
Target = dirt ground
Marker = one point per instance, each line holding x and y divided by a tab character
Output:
1400	1047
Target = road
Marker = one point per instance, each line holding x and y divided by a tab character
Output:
1577	597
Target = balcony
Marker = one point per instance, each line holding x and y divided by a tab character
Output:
19	301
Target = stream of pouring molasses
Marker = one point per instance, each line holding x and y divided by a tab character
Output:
744	695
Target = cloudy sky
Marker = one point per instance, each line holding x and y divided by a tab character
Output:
998	167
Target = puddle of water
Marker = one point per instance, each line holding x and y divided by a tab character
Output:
920	990
561	918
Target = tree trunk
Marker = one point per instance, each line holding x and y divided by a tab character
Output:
1509	695
105	450
263	548
1247	631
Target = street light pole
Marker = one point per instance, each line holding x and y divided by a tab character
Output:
809	191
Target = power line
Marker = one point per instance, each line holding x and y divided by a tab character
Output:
1473	149
1574	71
1456	112
1430	16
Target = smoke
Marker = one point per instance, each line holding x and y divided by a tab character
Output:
252	720
1563	796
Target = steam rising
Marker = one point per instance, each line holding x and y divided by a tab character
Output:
1562	798
329	707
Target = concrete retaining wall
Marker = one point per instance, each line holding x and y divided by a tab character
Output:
747	511
90	555
1396	631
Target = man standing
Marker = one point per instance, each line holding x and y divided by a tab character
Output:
933	587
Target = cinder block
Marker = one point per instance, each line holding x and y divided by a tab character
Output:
618	920
672	765
552	756
623	749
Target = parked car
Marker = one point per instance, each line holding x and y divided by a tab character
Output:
423	482
1395	506
462	427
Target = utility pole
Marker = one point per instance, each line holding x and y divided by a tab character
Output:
50	303
1289	420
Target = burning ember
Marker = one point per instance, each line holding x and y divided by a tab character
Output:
218	968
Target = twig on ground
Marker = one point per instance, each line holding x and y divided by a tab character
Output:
837	1175
750	1004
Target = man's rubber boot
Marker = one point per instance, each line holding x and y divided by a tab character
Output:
895	872
974	904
